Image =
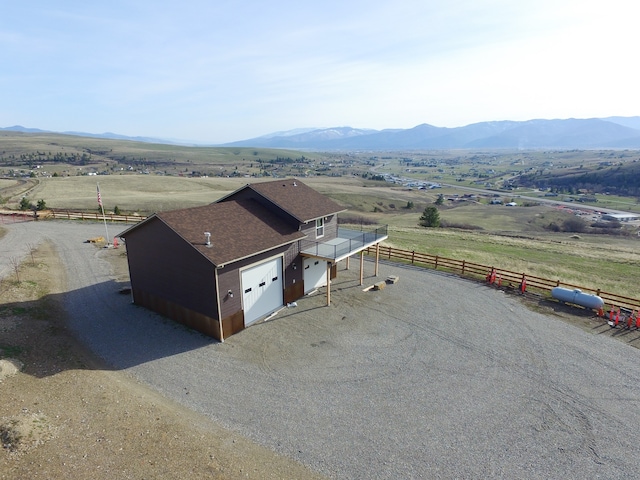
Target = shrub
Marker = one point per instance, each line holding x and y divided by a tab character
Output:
355	220
460	226
574	224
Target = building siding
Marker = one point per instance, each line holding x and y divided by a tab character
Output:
160	262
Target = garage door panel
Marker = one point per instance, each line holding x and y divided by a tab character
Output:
262	289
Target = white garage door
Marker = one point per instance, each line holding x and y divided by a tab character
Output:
315	274
262	289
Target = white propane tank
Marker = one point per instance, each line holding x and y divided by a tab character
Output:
577	297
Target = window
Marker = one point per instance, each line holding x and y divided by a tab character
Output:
320	227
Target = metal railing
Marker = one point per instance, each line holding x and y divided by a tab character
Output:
16	217
351	241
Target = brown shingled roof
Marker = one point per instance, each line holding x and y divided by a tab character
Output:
239	229
298	199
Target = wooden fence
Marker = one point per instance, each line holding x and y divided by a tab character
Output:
68	215
508	279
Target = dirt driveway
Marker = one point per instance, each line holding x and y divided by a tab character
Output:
433	377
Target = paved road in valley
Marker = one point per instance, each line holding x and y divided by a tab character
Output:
433	377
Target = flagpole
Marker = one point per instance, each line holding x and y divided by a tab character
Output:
104	218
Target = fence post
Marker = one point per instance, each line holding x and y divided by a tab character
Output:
389	253
557	283
413	256
436	263
462	267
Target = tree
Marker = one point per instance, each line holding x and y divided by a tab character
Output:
430	217
439	200
409	205
116	210
41	205
25	204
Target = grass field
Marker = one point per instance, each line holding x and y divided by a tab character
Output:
511	238
132	193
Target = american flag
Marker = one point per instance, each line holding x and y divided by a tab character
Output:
99	197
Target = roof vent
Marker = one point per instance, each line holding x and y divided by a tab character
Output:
207	236
295	184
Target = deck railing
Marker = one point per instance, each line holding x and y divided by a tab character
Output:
347	241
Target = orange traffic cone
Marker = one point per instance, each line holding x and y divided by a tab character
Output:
617	318
638	319
499	280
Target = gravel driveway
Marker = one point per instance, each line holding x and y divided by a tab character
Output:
433	377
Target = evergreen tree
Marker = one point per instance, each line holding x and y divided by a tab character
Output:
430	217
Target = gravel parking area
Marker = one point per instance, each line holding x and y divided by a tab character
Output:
433	377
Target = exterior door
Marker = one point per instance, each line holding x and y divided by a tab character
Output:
262	289
315	273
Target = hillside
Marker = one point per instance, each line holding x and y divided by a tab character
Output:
619	179
70	155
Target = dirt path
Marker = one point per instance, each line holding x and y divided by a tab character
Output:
66	416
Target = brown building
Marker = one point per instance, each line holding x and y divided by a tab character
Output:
220	267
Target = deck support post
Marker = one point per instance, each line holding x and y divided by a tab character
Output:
328	283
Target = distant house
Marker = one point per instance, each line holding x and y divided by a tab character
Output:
619	217
219	268
511	204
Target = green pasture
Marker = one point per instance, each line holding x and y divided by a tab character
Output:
618	203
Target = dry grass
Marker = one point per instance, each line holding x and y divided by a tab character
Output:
133	193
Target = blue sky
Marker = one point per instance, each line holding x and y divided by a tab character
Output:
219	71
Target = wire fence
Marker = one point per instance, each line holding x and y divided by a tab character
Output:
495	275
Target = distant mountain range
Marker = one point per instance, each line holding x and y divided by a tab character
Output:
107	135
612	132
592	133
